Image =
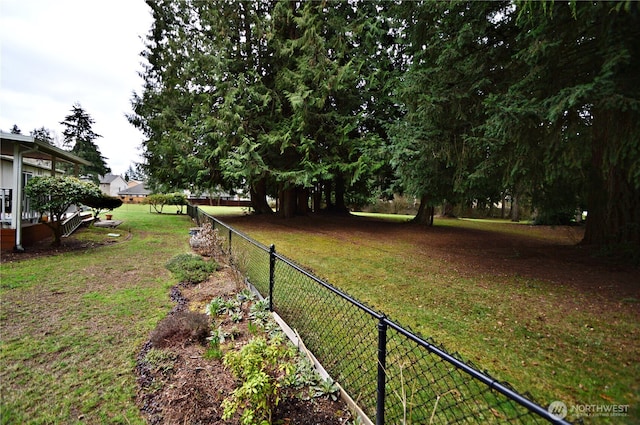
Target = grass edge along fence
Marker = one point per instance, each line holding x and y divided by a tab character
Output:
391	373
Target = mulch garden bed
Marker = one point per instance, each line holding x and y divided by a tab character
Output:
191	388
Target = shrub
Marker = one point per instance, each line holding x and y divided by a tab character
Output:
54	195
207	241
190	268
100	202
179	200
159	200
180	328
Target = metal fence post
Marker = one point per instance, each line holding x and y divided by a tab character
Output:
382	373
230	233
272	273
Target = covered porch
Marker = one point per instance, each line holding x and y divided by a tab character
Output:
23	157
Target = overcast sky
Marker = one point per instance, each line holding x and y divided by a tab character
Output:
54	53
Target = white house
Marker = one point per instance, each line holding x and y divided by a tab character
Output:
21	158
112	184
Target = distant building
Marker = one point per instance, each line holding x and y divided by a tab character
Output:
112	184
135	194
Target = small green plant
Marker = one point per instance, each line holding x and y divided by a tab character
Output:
232	304
252	328
261	305
326	388
235	332
305	376
262	366
245	295
236	316
220	335
190	268
160	360
216	306
213	351
259	312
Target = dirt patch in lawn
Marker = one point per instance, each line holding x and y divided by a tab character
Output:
44	248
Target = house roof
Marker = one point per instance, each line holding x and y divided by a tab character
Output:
32	148
108	178
139	189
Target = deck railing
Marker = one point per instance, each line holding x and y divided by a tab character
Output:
6	203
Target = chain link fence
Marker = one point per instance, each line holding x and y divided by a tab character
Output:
393	375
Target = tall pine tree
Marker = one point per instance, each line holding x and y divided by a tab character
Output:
79	135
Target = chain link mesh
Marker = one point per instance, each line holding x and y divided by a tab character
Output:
423	387
422	384
343	338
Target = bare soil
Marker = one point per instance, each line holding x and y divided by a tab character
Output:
44	248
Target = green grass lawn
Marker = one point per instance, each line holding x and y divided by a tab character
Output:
72	324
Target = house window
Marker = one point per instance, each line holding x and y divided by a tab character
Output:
26	176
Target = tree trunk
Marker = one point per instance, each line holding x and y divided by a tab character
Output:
425	212
613	211
303	201
288	201
613	200
595	229
515	208
258	193
447	209
340	206
317	198
328	184
55	224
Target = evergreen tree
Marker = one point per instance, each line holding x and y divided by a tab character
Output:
232	97
451	50
42	134
471	102
573	104
79	135
134	172
318	75
199	90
